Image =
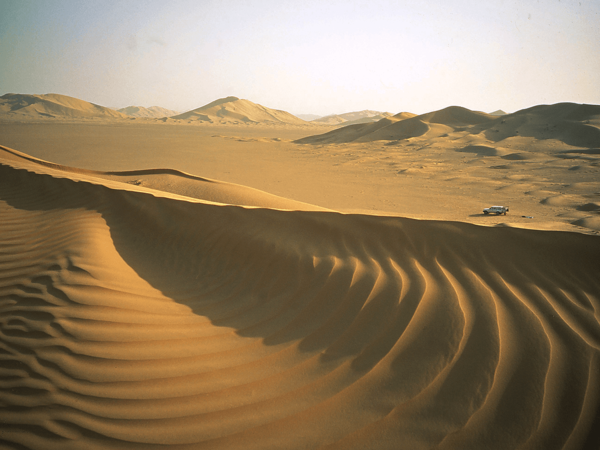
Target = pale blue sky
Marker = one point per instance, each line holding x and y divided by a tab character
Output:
306	56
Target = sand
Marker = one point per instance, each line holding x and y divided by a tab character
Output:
52	106
232	110
199	287
152	112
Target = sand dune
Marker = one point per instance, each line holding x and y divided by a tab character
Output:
151	112
387	129
406	129
456	115
23	106
352	118
405	126
225	111
234	110
349	133
404	115
569	123
163	181
137	318
419	177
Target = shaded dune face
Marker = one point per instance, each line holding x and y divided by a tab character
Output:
132	321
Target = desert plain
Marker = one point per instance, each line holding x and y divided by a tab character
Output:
234	277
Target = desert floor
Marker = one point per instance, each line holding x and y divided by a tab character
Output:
196	287
425	179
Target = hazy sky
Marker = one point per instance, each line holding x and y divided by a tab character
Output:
305	56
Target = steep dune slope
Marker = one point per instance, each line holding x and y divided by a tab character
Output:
23	106
133	320
235	110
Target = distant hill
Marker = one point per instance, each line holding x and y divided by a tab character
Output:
234	110
572	123
403	126
308	117
366	116
455	115
498	112
25	106
151	112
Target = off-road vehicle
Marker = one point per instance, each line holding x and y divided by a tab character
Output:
496	210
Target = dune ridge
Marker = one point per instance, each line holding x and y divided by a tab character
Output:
570	123
163	181
235	110
351	118
24	106
403	126
152	112
132	320
56	107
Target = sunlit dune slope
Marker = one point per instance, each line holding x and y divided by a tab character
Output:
351	118
235	110
132	320
456	115
404	115
573	124
26	106
163	181
403	126
151	112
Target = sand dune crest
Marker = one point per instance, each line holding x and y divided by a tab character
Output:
23	106
353	118
153	111
570	123
235	110
164	181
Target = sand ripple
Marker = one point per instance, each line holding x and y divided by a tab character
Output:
134	321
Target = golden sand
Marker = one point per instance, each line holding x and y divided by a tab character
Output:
145	307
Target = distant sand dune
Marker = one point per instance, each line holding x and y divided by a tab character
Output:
235	110
224	111
351	118
152	112
570	123
456	115
404	126
53	106
388	128
134	319
574	124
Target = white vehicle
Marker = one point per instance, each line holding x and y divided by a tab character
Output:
496	210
